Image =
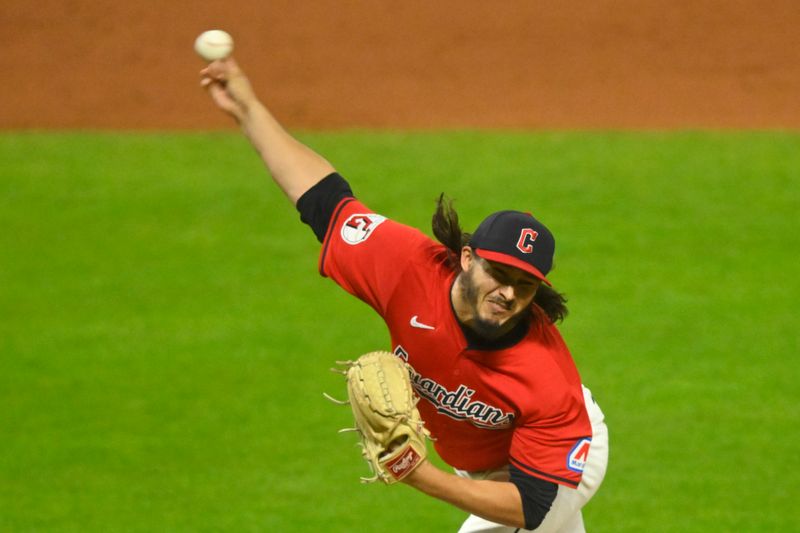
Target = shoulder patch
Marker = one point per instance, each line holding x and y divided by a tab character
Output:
576	460
358	228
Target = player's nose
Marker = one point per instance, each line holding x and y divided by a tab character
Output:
506	291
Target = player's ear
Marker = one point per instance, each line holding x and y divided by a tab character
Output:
466	258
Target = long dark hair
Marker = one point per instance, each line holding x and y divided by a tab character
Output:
447	231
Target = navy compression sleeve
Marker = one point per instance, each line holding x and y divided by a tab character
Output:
537	496
316	205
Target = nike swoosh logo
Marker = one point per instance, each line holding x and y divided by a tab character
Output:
415	323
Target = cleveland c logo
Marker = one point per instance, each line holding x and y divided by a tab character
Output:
357	228
526	238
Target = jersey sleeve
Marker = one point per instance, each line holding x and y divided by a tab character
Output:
366	253
317	204
537	496
555	448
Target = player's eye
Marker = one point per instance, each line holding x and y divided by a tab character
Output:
500	277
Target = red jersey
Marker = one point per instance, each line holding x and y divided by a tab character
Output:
486	408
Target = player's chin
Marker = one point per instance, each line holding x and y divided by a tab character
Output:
494	321
489	327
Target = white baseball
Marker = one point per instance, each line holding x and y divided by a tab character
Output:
213	44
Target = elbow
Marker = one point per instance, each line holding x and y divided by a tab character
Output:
516	521
519	524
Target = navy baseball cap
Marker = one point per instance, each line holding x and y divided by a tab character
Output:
515	239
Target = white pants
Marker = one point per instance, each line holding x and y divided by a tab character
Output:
565	513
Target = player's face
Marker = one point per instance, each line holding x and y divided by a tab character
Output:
495	295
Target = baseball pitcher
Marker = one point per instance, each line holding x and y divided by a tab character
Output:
476	360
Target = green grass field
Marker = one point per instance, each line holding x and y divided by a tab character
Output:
165	338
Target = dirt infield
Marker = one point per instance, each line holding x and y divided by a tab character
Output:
410	64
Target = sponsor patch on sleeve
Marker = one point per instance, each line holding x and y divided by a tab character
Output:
358	228
576	461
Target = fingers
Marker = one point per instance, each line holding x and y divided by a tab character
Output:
213	86
216	90
226	85
215	73
221	70
219	73
211	75
223	100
